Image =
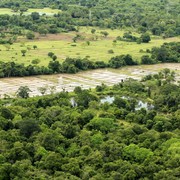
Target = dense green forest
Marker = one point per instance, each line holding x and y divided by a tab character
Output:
127	131
78	136
160	17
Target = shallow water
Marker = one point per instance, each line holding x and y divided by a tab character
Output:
140	104
107	99
144	105
85	79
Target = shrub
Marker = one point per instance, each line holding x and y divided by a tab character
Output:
110	51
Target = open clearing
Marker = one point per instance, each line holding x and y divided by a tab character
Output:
63	46
47	11
86	79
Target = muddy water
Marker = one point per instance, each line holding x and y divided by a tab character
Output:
86	79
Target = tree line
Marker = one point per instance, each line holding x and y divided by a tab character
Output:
168	52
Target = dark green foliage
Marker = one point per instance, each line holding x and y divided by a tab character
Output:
73	65
84	97
145	38
120	61
128	37
6	113
147	60
104	33
23	51
28	127
110	51
161	18
47	137
23	92
70	65
30	35
35	15
55	66
50	54
168	52
35	61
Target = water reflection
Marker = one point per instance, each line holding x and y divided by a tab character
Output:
73	102
108	99
145	105
140	104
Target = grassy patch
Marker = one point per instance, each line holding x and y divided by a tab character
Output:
47	11
44	10
63	47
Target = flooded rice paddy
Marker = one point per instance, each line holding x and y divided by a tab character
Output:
85	79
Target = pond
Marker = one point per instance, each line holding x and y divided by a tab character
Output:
140	104
73	102
145	105
107	99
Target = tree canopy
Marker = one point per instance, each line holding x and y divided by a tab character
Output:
48	137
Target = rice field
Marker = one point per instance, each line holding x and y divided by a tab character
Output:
86	79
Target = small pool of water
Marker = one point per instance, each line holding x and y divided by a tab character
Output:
140	104
108	99
145	105
73	102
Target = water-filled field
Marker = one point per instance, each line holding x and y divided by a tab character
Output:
85	79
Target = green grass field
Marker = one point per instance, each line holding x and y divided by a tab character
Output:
41	11
61	45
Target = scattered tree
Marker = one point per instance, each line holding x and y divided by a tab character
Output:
23	51
23	92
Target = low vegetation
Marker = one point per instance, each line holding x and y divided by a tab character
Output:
64	47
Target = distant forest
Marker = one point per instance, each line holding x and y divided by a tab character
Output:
161	17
